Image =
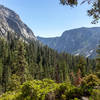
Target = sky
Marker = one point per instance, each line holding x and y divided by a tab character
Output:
48	18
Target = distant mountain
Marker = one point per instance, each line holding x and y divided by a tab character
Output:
80	41
11	22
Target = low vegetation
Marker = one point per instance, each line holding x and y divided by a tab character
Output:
47	89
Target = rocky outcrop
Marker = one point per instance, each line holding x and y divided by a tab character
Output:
11	22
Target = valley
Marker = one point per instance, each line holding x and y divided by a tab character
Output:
80	41
59	68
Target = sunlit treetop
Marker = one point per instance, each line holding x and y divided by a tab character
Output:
94	12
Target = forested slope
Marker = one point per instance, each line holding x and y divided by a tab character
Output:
31	62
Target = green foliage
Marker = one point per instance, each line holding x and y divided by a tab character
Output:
20	63
69	2
98	60
95	95
76	99
14	83
33	61
98	74
89	85
11	96
90	81
49	90
32	90
74	92
61	90
81	65
38	89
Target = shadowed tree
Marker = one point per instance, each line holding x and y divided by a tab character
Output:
20	66
98	59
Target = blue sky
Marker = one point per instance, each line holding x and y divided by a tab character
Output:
48	18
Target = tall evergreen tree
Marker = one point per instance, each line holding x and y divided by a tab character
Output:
98	59
20	64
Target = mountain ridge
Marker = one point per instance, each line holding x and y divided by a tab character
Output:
11	22
80	41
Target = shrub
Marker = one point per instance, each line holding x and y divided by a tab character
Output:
38	89
75	92
14	83
60	91
95	95
90	81
10	96
49	90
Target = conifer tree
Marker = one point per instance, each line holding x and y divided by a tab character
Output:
6	68
1	67
20	65
81	65
98	59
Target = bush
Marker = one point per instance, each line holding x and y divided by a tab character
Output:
49	90
38	89
61	90
75	92
10	96
90	81
95	95
14	83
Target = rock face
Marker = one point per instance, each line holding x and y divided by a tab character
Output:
81	41
11	22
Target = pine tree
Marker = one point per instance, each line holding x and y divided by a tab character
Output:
98	59
20	65
1	67
57	73
81	65
6	67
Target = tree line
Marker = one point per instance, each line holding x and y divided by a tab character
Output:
21	61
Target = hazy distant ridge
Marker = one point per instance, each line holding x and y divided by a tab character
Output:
82	41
